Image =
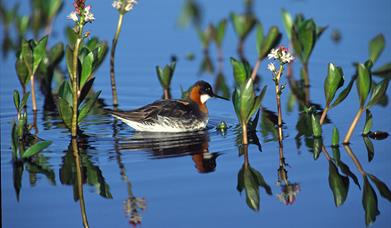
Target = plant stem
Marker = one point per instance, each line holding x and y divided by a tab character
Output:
353	125
324	113
33	99
354	159
240	48
75	89
305	75
278	101
75	151
326	153
255	70
112	60
244	134
245	152
166	94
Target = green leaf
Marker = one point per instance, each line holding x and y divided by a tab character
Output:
36	148
39	52
271	40
369	202
376	47
65	92
369	146
252	189
16	100
383	71
378	92
288	22
316	127
339	185
86	71
22	71
69	60
243	24
257	102
241	71
382	187
333	82
344	93
335	137
65	111
56	53
363	83
317	146
346	170
24	101
14	141
220	32
307	37
27	56
247	99
368	122
87	106
260	37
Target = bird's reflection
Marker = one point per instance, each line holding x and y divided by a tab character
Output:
168	145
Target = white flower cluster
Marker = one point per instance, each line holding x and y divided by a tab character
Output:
281	54
88	15
126	5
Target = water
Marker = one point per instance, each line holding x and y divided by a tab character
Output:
190	180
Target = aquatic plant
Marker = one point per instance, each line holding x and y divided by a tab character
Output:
24	145
43	14
245	102
191	13
82	61
28	60
165	75
243	25
365	86
249	180
122	6
218	34
283	57
303	35
264	44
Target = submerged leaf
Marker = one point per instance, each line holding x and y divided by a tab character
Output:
370	149
382	187
368	123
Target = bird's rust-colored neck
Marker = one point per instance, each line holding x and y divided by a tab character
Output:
195	96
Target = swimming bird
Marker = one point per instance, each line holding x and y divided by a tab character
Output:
183	115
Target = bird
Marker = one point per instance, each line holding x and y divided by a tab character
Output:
181	115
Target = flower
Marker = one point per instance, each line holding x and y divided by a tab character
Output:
73	16
125	5
271	67
135	219
282	54
88	16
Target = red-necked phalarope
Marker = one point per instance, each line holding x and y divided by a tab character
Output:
183	115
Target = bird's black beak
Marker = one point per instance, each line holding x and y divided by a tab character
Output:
217	96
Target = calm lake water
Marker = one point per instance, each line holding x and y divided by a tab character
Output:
191	180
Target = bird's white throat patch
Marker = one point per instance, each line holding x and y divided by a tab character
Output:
204	98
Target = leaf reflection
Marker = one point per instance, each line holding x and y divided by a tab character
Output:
249	180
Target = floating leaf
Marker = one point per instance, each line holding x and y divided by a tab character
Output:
376	47
370	149
378	92
368	122
36	148
335	137
363	83
333	82
369	202
382	187
339	185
